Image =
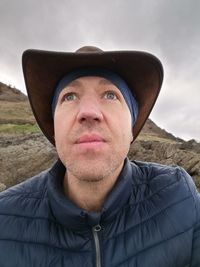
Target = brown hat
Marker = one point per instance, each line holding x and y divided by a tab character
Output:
43	70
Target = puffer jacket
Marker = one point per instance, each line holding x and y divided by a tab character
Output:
151	218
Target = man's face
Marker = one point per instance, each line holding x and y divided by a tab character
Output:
93	131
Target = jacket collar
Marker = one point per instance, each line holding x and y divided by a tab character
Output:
73	217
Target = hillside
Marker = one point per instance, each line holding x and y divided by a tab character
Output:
24	151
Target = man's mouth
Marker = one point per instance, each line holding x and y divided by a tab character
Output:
89	139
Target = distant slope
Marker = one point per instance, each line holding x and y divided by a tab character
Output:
150	128
8	93
15	112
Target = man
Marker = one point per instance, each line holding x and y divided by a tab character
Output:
94	207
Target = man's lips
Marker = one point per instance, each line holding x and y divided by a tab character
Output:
90	142
93	138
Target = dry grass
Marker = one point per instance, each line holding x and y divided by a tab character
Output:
16	112
17	118
151	137
11	128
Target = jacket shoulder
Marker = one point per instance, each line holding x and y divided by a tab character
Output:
161	176
25	198
171	184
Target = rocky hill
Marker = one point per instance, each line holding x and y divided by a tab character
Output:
24	151
11	94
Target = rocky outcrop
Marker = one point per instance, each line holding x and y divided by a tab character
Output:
2	187
24	156
170	153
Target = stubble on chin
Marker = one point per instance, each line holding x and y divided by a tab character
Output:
89	173
94	171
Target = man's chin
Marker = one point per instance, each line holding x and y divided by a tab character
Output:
89	170
90	157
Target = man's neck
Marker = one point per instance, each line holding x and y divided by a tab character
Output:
89	196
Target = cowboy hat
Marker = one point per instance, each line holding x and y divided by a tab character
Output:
43	70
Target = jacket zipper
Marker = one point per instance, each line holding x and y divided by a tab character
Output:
95	230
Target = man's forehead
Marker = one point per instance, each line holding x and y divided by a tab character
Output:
79	82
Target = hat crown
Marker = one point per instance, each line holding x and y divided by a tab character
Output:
88	49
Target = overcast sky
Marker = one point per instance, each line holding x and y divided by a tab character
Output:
170	29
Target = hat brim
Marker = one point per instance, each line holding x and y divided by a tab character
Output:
43	70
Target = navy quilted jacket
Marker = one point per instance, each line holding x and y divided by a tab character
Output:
150	219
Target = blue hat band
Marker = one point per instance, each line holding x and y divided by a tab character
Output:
109	75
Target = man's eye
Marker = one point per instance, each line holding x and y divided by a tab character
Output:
110	95
69	96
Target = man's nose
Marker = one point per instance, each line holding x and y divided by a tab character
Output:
89	111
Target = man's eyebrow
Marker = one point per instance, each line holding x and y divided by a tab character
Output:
105	82
74	83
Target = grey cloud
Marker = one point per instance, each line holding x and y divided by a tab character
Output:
169	29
